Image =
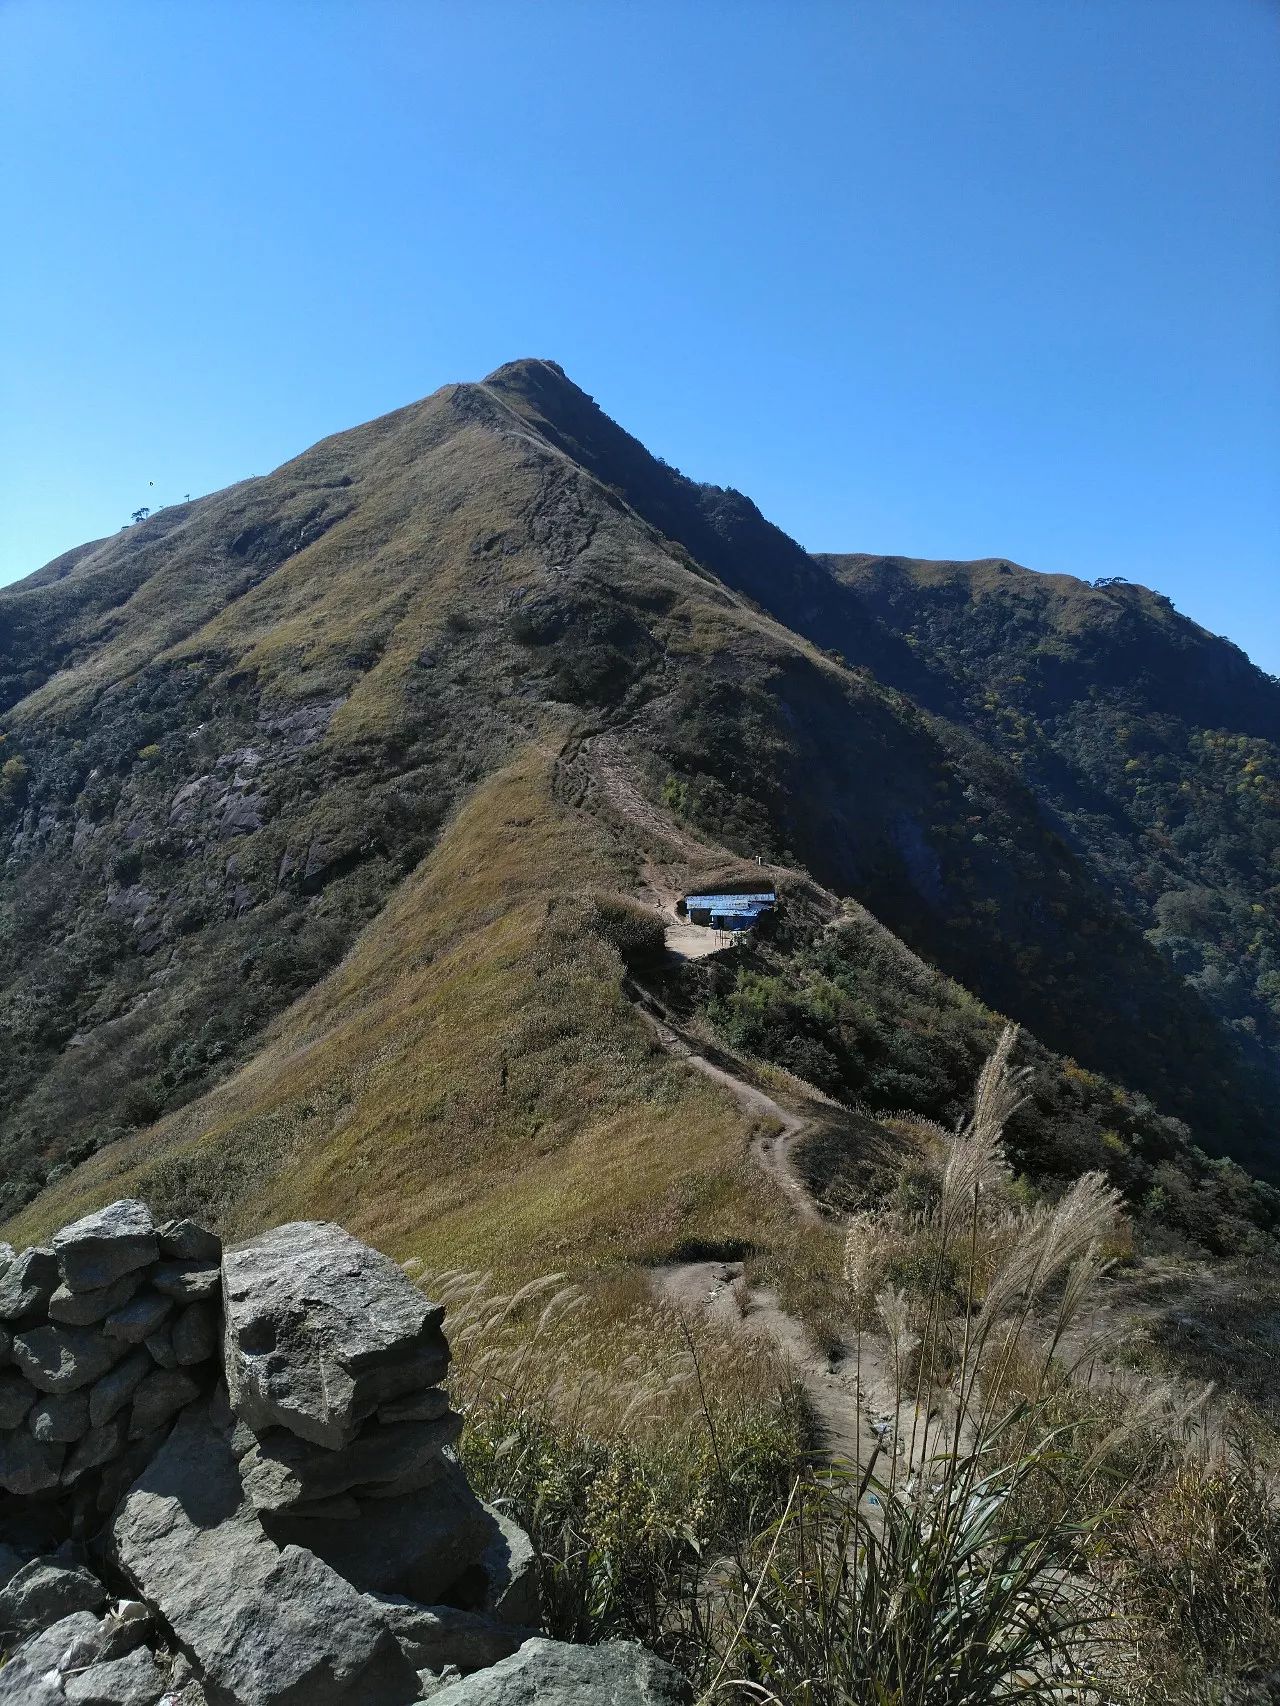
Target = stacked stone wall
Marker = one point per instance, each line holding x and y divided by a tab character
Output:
228	1479
105	1335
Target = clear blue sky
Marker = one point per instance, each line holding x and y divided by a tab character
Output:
960	278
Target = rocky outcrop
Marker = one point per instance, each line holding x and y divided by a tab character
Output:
319	1357
263	1623
258	1445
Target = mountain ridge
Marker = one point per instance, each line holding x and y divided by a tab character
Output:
242	727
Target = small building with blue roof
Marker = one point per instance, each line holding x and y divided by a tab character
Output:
729	911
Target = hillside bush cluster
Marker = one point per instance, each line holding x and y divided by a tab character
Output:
847	1010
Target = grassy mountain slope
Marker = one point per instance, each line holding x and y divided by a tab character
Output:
469	1085
253	742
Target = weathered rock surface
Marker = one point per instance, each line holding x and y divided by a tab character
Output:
320	1330
27	1282
160	1395
83	1308
60	1420
16	1398
554	1673
44	1591
94	1252
184	1241
45	1664
418	1545
187	1282
435	1636
138	1319
265	1625
510	1571
281	1470
28	1465
97	1447
135	1680
63	1359
110	1394
194	1335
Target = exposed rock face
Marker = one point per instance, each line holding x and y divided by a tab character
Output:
264	1623
554	1673
43	1591
303	1535
321	1330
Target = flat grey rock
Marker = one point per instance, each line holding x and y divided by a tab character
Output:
60	1419
94	1252
73	1640
138	1319
160	1395
113	1391
320	1330
426	1406
63	1359
554	1673
187	1282
33	1675
435	1636
266	1626
16	1398
280	1469
83	1308
195	1334
28	1465
27	1283
97	1447
184	1241
511	1574
135	1680
43	1592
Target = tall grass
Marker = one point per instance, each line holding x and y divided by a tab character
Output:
637	1448
1020	1535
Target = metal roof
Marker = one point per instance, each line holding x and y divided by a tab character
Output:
726	903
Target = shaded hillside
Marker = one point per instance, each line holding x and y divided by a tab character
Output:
1154	745
239	728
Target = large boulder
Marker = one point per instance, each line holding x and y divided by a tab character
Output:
96	1251
135	1680
45	1591
320	1330
264	1625
553	1673
420	1545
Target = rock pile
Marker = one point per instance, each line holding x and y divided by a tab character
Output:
105	1336
229	1480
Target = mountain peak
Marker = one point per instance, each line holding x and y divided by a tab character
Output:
526	370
